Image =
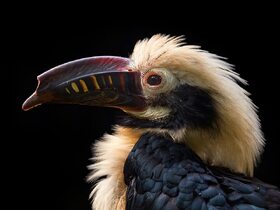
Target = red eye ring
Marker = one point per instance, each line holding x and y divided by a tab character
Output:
154	80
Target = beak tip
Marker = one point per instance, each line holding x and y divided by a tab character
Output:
31	102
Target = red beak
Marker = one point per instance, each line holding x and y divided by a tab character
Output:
95	81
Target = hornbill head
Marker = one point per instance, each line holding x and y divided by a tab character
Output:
168	87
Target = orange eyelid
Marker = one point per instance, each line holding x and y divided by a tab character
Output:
151	73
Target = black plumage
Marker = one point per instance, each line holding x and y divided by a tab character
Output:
190	106
161	174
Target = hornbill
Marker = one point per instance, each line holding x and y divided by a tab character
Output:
189	138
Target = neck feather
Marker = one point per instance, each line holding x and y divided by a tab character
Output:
110	154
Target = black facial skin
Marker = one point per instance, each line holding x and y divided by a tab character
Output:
190	107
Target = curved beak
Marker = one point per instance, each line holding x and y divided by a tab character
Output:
94	81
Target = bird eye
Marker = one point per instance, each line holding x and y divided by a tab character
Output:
154	80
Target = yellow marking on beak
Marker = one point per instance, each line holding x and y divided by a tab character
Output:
110	80
95	83
75	87
84	85
67	90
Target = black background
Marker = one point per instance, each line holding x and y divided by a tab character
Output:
51	145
